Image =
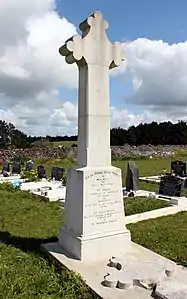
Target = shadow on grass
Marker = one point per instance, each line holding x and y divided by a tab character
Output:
25	244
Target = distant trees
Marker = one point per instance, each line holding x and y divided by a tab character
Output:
10	137
153	133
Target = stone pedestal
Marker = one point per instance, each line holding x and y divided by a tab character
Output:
94	214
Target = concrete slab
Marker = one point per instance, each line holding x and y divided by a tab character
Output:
155	214
33	186
94	273
52	195
51	190
11	178
151	179
173	200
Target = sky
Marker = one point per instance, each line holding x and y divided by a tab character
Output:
38	89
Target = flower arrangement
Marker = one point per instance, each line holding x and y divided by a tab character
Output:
31	175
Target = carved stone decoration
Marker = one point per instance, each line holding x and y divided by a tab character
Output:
94	46
161	279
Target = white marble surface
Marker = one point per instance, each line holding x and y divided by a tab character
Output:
10	178
94	214
151	179
40	184
142	263
99	55
53	195
57	191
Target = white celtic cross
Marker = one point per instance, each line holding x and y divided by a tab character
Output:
95	55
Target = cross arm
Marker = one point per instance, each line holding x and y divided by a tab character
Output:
72	49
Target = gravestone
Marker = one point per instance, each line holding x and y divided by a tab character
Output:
171	185
16	168
178	168
132	177
6	166
94	225
57	173
29	165
41	172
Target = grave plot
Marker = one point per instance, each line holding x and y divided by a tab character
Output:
52	190
171	186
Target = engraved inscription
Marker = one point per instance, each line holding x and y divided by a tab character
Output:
104	200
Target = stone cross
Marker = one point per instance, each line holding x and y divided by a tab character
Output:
94	220
95	55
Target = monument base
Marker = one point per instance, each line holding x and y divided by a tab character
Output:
94	214
95	247
137	260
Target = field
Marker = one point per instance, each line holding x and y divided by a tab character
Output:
26	222
64	143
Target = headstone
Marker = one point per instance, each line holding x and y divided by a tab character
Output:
6	166
171	185
178	167
41	172
132	177
29	165
57	173
16	168
94	225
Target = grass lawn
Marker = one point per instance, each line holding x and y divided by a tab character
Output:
165	235
26	222
25	273
143	204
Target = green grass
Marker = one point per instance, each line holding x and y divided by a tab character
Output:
143	204
64	143
25	223
166	236
146	166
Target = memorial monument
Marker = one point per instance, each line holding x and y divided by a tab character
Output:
94	225
94	240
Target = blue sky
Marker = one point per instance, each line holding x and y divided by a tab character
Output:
129	20
151	84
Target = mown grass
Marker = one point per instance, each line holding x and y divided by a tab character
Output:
165	235
146	166
143	204
26	222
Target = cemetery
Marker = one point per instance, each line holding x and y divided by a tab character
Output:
73	228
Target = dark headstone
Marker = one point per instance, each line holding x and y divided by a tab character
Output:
16	168
171	185
29	165
131	194
57	173
41	172
6	166
178	168
132	177
5	173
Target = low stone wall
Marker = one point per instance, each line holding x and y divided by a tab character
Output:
121	152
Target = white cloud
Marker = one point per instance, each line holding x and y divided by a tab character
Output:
32	71
158	71
31	68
